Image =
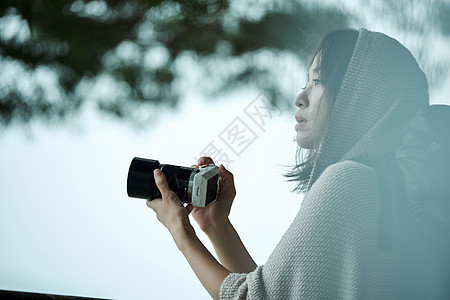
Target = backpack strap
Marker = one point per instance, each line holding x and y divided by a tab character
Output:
386	173
392	192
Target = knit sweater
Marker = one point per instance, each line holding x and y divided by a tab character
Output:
330	250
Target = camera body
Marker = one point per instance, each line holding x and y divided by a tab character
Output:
198	187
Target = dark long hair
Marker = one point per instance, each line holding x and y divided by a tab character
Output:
334	53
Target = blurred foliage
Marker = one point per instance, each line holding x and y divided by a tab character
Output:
416	16
123	57
424	26
129	58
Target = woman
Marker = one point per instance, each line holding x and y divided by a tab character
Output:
363	88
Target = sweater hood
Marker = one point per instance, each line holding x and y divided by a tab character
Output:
382	90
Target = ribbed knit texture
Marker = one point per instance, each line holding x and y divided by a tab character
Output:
330	250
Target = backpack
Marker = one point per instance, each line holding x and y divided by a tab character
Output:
416	178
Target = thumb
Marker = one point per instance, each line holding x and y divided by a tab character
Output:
224	172
161	182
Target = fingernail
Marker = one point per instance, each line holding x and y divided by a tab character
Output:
157	172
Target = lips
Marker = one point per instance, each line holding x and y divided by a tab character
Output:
300	121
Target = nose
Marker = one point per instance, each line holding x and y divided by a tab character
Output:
301	101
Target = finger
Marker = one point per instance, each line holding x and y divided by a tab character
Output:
150	203
195	166
205	160
189	208
224	172
161	182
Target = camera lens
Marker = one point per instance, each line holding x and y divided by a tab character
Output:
198	187
140	182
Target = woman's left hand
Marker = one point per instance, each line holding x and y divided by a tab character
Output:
171	212
169	209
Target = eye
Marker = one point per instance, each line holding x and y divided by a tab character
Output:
316	82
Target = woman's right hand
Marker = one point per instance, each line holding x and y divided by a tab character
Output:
215	214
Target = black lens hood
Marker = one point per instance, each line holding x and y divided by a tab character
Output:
140	182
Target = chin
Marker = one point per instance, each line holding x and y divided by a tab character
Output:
302	143
306	143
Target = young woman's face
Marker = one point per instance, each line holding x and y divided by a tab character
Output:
312	111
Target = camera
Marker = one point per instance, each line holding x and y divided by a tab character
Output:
198	187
